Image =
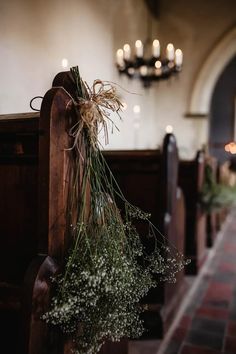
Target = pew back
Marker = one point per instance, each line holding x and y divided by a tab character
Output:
148	179
211	218
18	219
191	178
34	179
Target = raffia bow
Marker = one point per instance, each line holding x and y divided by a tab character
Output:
94	111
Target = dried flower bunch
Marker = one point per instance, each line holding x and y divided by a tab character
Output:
108	270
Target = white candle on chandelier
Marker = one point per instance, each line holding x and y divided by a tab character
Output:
158	69
143	70
170	52
156	48
120	57
127	51
158	64
178	57
139	48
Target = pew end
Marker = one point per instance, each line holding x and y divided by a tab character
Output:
191	178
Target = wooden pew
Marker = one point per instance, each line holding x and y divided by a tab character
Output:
33	226
52	227
148	180
211	217
34	187
191	177
18	218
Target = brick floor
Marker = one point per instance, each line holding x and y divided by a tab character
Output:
208	325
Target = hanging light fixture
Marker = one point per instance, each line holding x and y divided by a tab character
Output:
148	69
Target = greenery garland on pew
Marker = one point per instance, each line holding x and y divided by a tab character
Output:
108	270
215	196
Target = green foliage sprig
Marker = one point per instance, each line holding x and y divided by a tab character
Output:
108	270
215	196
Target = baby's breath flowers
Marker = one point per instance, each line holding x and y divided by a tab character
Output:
108	270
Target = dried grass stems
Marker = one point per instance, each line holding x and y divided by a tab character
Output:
94	109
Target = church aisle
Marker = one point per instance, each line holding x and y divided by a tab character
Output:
208	323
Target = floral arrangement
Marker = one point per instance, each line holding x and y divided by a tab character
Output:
215	196
108	270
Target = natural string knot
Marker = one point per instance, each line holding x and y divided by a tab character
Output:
95	110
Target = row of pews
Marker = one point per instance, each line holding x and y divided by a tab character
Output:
33	242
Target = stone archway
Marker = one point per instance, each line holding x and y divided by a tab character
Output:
200	98
221	121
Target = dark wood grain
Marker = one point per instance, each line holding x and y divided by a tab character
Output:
34	180
211	218
54	159
18	219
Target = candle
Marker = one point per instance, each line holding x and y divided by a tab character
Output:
156	48
120	57
158	64
143	70
158	70
178	57
169	129
139	48
170	52
131	71
127	51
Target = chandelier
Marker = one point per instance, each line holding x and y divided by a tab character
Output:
148	69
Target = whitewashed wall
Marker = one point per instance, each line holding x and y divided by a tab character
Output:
36	35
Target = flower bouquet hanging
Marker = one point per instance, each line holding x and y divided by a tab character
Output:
108	271
215	196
